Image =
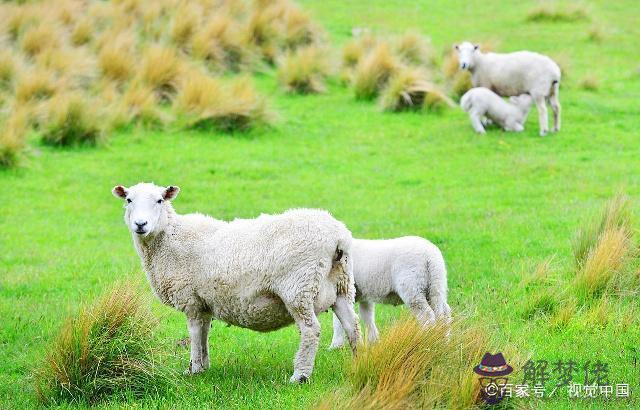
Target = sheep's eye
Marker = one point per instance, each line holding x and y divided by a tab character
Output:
128	200
159	201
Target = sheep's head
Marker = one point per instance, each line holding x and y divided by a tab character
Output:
145	206
467	54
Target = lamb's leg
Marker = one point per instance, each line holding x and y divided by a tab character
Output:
204	336
476	122
195	333
543	118
343	308
367	312
555	106
338	334
417	302
309	328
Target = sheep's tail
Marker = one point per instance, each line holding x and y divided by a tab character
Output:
343	263
555	87
437	293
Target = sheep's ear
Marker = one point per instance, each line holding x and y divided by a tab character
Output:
119	191
170	193
456	47
475	46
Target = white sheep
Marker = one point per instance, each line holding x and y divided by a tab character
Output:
409	270
521	72
482	103
260	274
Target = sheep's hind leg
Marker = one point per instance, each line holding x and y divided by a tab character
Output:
368	312
195	325
309	327
555	106
543	117
204	336
337	340
417	302
343	308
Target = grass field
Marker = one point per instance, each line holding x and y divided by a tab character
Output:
497	205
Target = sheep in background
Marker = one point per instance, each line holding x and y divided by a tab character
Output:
409	270
521	72
260	274
481	102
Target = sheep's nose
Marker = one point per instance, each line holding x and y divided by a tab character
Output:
463	66
140	224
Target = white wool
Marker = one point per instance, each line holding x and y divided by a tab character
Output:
260	274
520	72
482	103
409	270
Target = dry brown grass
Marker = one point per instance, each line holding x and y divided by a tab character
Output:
374	71
408	89
185	23
71	119
106	350
589	83
221	42
595	34
414	49
82	32
161	68
414	367
208	102
40	37
139	104
461	83
304	70
13	131
7	69
116	62
35	85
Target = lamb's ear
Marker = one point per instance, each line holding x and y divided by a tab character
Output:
170	193
119	191
475	47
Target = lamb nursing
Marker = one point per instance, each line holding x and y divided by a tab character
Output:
512	74
483	103
409	270
260	274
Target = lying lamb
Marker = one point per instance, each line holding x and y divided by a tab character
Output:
522	72
260	274
407	270
482	103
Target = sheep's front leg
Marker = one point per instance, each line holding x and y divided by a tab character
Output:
368	312
337	340
195	325
309	328
343	308
476	122
543	117
204	337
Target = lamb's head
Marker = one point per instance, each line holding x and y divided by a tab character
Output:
467	53
523	102
146	207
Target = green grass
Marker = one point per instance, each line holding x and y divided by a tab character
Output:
495	204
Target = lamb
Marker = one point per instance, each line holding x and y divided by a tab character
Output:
481	102
260	274
409	270
521	72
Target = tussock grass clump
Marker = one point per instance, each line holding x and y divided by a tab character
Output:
116	62
208	102
543	302
414	49
161	68
221	43
35	85
409	89
139	104
461	83
616	214
39	38
554	13
595	34
7	69
71	119
82	32
185	23
563	316
106	350
305	70
13	132
414	367
374	71
589	83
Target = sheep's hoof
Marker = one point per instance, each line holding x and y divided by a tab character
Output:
299	378
193	370
335	346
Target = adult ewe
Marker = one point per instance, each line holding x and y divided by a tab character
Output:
522	72
407	270
481	103
260	274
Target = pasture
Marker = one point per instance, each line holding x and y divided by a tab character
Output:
497	205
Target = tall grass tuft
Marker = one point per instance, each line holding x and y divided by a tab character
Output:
7	69
207	102
161	68
116	61
551	12
374	71
185	23
39	38
82	32
304	70
106	350
616	214
414	367
13	132
589	83
414	49
35	85
71	119
409	89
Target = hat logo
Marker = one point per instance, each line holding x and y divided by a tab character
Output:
493	369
